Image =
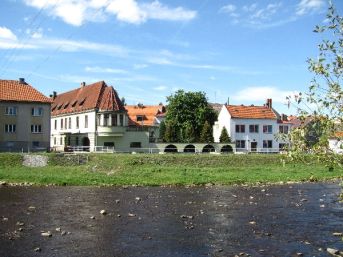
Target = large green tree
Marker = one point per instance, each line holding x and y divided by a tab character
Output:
322	104
206	135
187	109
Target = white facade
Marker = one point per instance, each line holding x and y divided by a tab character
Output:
336	145
251	134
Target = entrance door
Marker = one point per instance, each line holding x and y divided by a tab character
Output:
253	146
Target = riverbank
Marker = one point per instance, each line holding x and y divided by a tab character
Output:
155	170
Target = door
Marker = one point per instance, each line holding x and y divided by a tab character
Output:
253	146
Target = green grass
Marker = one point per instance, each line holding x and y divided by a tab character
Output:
177	169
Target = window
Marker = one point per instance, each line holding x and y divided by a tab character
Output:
253	128
86	121
283	146
283	129
240	143
139	118
55	124
37	111
61	141
36	128
10	128
77	122
135	144
77	141
55	140
268	129
69	122
114	119
35	143
109	144
11	110
106	119
62	123
240	128
66	123
121	120
69	141
267	143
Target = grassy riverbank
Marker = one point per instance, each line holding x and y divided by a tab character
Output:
126	169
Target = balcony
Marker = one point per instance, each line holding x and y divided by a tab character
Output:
111	131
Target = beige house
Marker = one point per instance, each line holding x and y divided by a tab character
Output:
93	118
24	117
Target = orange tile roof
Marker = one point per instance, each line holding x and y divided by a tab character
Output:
148	112
94	96
251	112
339	134
13	90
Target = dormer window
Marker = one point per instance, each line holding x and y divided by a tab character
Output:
82	101
66	105
74	103
140	118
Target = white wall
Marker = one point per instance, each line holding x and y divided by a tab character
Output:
224	118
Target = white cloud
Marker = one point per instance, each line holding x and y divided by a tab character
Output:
77	12
97	69
160	88
6	33
140	66
38	33
228	8
309	6
260	94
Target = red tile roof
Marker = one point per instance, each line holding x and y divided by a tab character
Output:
251	112
338	134
94	96
14	90
148	112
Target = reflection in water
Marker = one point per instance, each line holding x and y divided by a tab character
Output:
195	221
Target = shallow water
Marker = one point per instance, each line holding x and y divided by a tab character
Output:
171	221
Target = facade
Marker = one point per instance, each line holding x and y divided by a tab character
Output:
252	128
336	142
24	117
93	118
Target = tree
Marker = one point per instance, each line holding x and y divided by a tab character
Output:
162	130
323	103
206	135
185	108
170	134
224	136
189	135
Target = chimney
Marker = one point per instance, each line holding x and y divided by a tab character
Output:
83	84
54	95
21	81
284	117
269	103
228	101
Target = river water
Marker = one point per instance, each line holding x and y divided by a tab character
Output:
283	220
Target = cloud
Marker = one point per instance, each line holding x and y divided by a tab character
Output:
309	6
6	33
160	88
140	66
38	33
260	94
77	12
97	69
230	8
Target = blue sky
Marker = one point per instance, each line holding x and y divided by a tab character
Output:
245	50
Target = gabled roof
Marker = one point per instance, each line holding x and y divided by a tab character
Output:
148	113
94	96
251	112
20	91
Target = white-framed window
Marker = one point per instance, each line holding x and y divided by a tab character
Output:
55	124
267	143
37	111
240	128
62	123
139	118
283	129
55	140
267	129
77	122
10	128
86	121
240	143
253	128
36	128
11	110
69	121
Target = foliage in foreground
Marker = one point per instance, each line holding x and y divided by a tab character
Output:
321	107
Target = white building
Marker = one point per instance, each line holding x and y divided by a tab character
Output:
336	142
252	128
92	117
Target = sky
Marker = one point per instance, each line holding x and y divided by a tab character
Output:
244	51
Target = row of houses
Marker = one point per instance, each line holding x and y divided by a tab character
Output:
93	118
